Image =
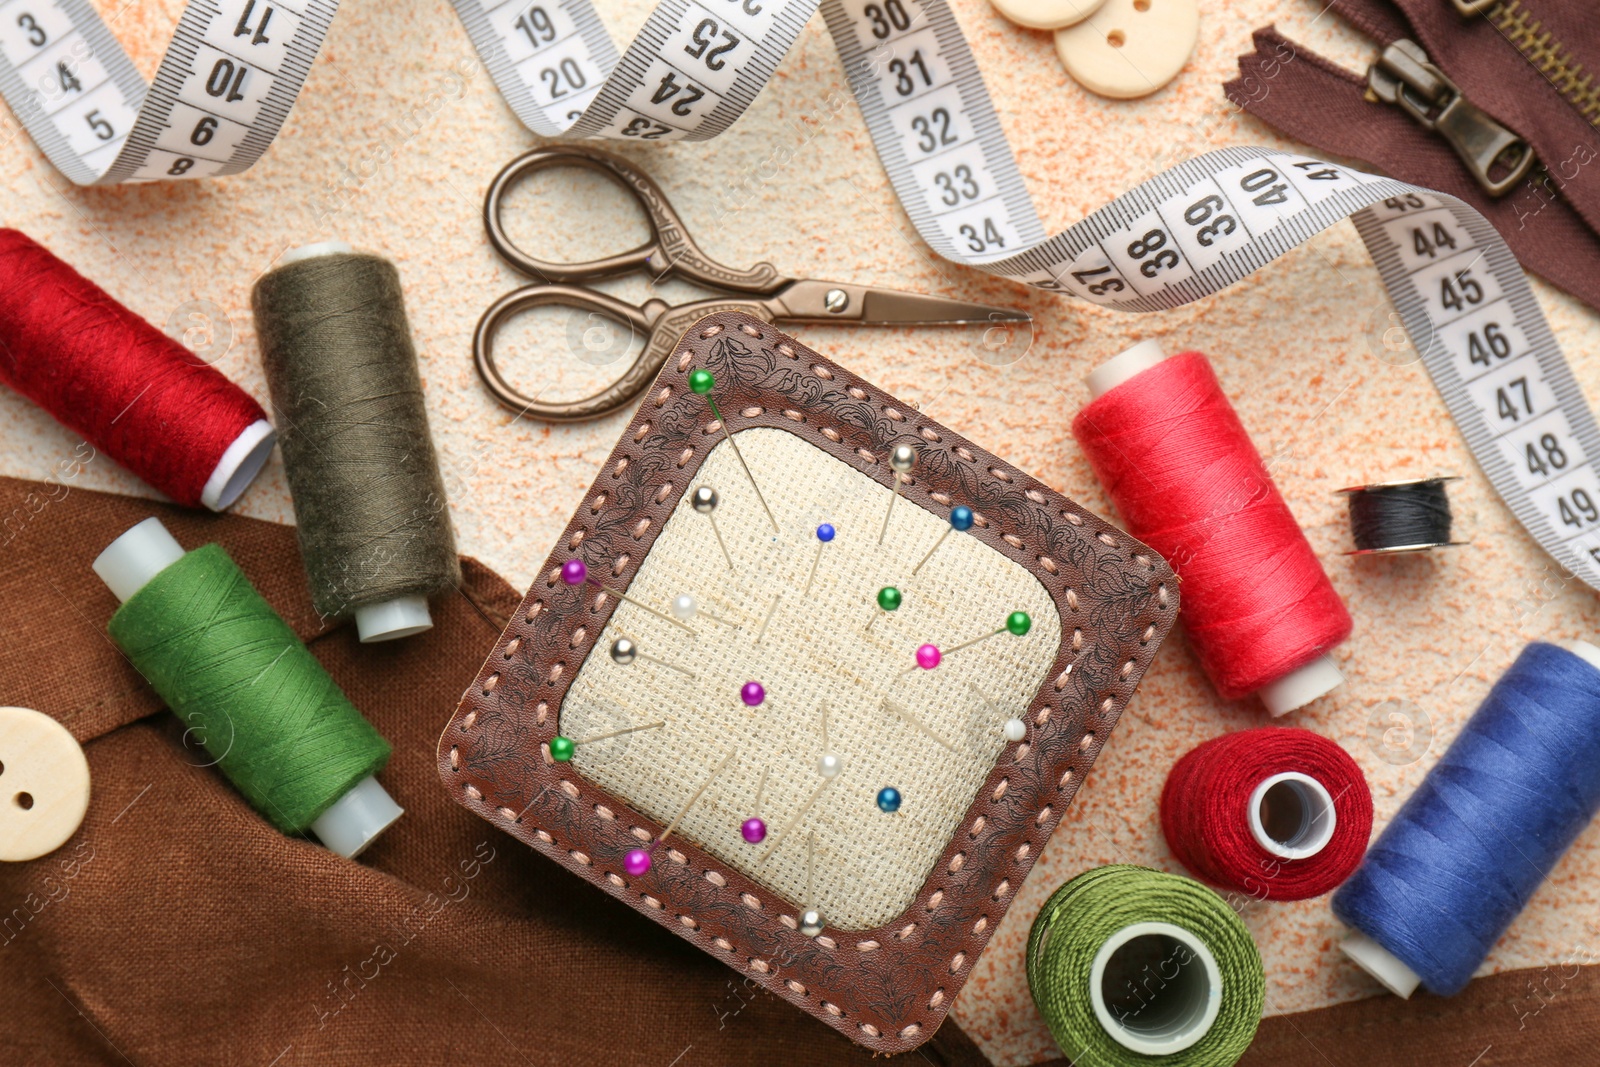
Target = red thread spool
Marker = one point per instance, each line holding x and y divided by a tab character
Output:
1177	463
1281	814
131	391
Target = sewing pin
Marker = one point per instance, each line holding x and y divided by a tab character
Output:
928	657
1014	729
702	382
889	599
912	720
960	520
902	459
811	921
576	572
795	819
768	620
624	652
684	607
830	763
637	861
889	800
705	501
824	535
1017	623
754	829
563	749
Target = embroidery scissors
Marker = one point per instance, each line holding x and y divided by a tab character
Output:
759	291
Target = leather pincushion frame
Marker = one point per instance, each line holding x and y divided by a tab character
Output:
888	987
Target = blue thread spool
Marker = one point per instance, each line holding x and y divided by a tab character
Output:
1470	846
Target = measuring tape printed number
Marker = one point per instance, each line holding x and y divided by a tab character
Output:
234	68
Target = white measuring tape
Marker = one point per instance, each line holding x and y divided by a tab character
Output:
234	68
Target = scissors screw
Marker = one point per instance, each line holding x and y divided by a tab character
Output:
836	301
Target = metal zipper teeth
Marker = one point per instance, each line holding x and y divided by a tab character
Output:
1548	56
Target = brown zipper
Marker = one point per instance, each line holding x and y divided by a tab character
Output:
1497	159
1539	47
1313	100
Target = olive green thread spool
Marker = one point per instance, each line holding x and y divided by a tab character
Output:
369	499
1132	967
229	666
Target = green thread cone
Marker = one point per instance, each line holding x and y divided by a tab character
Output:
227	665
1086	912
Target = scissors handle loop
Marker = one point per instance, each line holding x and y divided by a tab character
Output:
640	322
659	324
669	249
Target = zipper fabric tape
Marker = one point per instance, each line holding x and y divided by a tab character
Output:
234	67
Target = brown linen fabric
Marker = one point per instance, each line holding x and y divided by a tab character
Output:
178	927
1538	1017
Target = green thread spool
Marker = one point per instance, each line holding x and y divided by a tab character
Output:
368	496
1132	967
229	666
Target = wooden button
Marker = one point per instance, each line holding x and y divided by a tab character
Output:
1131	47
1046	14
44	784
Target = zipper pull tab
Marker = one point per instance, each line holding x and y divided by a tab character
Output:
1403	76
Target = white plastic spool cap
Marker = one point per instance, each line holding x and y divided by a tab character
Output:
1292	816
312	251
1301	686
1382	964
1120	368
239	465
127	566
129	562
1179	1009
400	617
356	819
1586	652
249	452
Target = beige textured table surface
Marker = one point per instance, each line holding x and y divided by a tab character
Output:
397	136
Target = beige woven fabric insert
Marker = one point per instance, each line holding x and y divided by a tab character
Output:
868	865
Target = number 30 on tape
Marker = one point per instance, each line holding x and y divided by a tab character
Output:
234	68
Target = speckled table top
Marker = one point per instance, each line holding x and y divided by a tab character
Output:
397	136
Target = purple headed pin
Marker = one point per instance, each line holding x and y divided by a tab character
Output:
574	572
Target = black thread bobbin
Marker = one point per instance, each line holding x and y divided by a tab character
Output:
1395	517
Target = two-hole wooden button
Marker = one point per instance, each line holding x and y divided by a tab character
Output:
1130	48
44	784
1046	14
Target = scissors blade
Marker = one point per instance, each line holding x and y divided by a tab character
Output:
810	301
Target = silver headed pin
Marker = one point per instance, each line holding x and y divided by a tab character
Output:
811	920
902	459
624	652
705	500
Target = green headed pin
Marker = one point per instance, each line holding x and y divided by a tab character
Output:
701	382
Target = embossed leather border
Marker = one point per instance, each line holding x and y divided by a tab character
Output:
890	988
